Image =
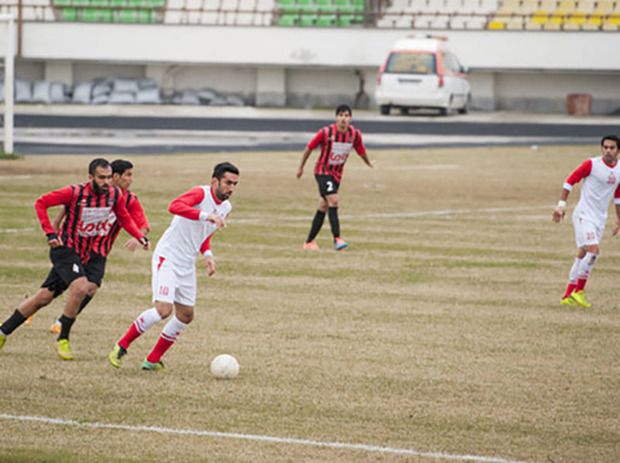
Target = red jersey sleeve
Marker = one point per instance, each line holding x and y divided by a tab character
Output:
51	199
124	219
317	140
580	173
358	144
206	245
184	204
137	214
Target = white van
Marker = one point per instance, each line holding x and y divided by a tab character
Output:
420	72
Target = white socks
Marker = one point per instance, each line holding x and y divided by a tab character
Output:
147	319
173	329
585	266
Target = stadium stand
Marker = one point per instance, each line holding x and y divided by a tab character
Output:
539	15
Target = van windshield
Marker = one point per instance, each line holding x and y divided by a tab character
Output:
411	63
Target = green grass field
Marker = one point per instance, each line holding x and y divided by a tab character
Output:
439	331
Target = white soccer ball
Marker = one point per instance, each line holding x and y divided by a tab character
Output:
225	367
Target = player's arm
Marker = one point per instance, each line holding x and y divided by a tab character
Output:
617	204
360	149
185	204
581	172
304	159
205	249
58	219
125	221
139	217
41	205
314	143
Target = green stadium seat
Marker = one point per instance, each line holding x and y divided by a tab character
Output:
288	20
99	2
118	3
90	15
127	16
135	3
69	14
325	6
345	20
326	20
156	3
306	6
62	2
106	15
288	6
307	20
80	3
344	6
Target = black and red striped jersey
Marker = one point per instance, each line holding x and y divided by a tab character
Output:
335	149
103	243
86	215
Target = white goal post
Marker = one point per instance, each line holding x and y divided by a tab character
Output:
9	80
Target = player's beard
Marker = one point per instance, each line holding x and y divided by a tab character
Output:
99	190
220	195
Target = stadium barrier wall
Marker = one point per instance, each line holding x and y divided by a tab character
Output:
311	67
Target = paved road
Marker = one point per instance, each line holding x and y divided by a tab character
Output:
43	130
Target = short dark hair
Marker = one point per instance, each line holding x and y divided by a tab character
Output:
223	167
342	108
612	138
119	166
99	162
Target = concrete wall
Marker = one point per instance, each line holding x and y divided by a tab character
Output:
311	67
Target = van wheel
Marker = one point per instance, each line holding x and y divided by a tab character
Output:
404	111
385	109
443	111
465	108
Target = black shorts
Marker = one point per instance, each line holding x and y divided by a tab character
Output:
66	267
327	184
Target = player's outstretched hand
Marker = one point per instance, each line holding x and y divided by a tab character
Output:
300	172
210	265
132	244
217	220
146	244
53	240
616	228
558	214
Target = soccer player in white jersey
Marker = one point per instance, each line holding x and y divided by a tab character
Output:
601	180
198	214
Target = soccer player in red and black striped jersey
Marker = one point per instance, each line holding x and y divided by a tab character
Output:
122	177
336	141
74	264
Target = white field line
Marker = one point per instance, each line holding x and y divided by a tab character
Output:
400	215
387	215
254	437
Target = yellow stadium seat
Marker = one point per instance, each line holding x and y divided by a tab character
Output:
593	22
533	26
496	25
540	17
575	21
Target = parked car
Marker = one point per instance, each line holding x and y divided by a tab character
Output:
421	72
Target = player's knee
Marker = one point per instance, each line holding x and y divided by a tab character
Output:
593	249
43	297
92	289
164	309
80	288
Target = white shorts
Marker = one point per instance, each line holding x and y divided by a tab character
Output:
172	283
587	232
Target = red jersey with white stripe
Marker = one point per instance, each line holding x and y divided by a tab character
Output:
600	183
187	235
335	149
103	244
87	216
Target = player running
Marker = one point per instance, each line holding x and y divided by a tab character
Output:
74	264
336	141
601	180
122	177
198	214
